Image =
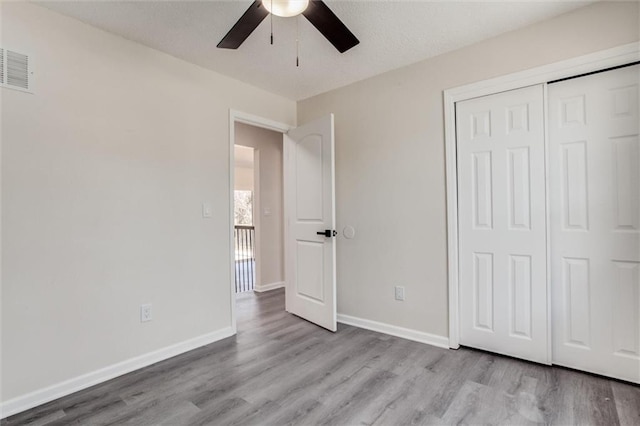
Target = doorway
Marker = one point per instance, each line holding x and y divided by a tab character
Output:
258	209
246	131
308	175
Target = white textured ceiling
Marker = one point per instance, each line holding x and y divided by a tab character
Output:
391	33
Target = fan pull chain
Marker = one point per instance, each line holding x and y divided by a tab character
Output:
297	41
271	19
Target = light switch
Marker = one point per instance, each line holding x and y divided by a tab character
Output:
207	210
267	211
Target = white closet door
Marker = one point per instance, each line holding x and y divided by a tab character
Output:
595	223
502	223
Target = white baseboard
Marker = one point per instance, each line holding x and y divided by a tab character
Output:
41	396
405	333
267	287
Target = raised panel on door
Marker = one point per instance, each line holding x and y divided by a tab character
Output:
483	291
626	317
310	270
308	179
502	225
577	307
574	202
626	175
519	188
594	222
481	186
520	289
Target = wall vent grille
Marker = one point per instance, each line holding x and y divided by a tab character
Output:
15	70
1	66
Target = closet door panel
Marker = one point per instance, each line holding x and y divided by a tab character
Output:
502	223
595	222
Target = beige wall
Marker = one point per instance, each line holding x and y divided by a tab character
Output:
104	169
269	227
243	171
243	178
390	161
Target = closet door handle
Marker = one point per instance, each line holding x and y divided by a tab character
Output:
327	233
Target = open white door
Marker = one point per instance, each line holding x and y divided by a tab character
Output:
310	252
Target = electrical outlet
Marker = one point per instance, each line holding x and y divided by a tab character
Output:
399	293
145	312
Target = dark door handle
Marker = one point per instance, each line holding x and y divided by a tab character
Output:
327	233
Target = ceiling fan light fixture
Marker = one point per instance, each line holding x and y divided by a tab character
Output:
285	8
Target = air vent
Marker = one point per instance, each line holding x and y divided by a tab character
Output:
15	71
1	66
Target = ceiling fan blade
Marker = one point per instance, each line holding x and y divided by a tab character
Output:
248	22
319	14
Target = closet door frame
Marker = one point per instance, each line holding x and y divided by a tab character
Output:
541	75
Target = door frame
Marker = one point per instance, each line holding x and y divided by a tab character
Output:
540	75
236	116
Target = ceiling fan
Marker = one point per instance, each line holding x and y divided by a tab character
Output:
316	11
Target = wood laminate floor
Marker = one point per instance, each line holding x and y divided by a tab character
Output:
281	370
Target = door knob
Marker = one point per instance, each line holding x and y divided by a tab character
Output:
327	233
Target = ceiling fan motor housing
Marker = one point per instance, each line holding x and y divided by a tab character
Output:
316	12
